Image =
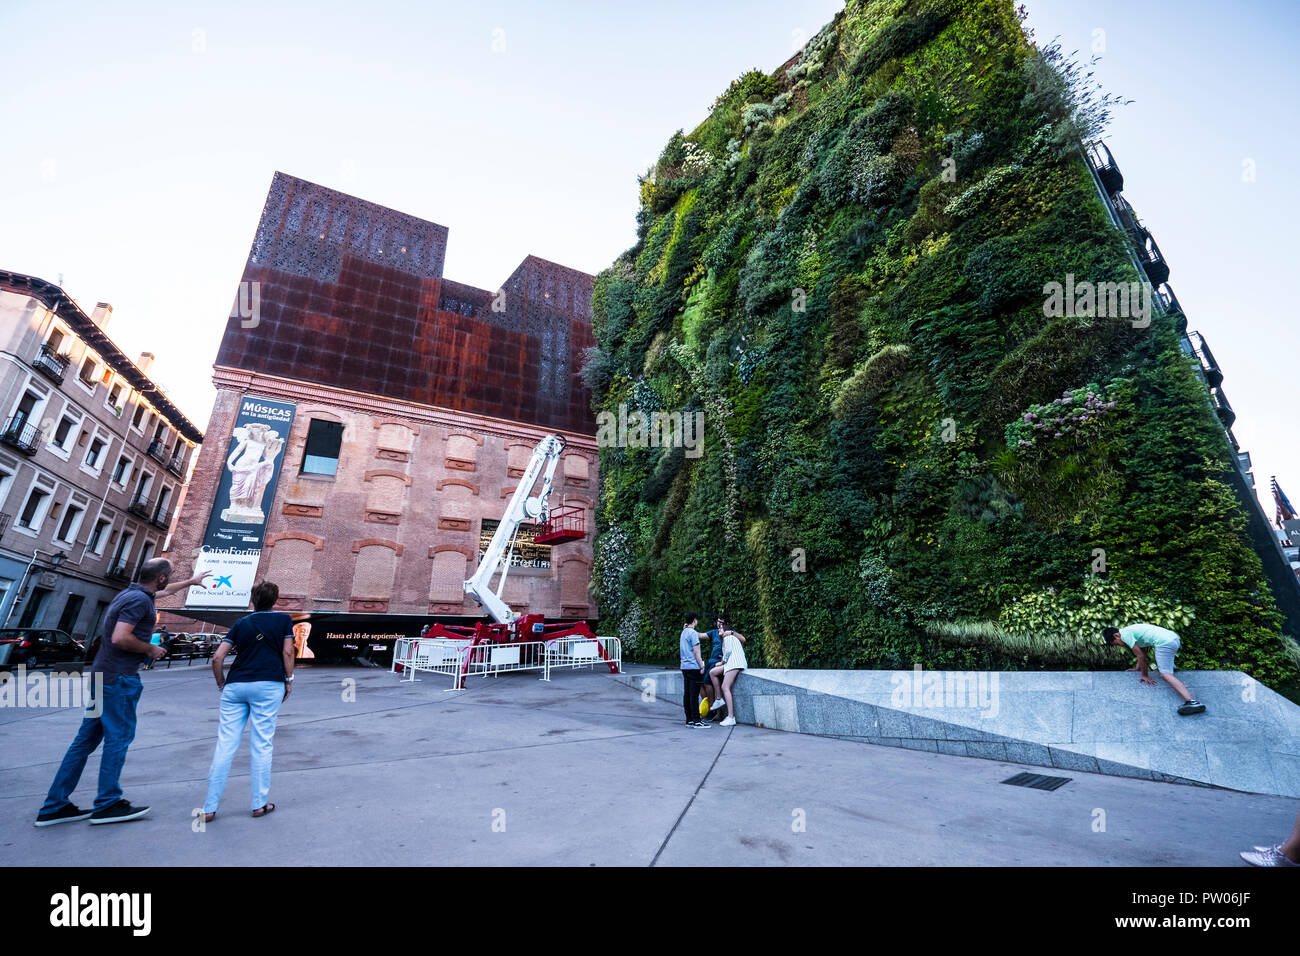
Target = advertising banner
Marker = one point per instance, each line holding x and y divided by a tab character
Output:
232	544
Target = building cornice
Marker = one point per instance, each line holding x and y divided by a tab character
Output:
273	386
61	304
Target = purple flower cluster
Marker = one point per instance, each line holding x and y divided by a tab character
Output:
1075	412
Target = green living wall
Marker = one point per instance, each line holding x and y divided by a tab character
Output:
904	458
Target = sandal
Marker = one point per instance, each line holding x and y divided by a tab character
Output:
264	811
209	817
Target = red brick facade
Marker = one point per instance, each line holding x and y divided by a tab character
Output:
388	536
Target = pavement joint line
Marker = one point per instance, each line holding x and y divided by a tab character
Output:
424	756
689	803
314	720
213	736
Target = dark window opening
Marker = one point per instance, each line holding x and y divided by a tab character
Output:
61	433
527	553
33	505
321	455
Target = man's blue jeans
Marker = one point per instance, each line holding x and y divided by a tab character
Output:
257	703
115	727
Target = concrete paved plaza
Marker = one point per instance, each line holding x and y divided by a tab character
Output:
582	771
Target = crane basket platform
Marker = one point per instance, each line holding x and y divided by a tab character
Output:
565	523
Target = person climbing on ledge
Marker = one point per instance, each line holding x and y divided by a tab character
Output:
1165	644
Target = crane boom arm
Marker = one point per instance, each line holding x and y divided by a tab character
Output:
523	506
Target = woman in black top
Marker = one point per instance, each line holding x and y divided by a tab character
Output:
259	681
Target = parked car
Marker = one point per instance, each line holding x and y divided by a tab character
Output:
38	647
180	646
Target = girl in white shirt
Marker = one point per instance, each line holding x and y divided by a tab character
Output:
725	674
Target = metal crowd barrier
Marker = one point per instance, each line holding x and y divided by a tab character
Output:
576	652
436	655
461	658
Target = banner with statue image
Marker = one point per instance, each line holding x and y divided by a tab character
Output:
232	544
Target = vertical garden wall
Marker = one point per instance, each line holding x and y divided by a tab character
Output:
909	455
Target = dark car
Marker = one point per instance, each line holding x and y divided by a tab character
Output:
206	644
180	646
38	647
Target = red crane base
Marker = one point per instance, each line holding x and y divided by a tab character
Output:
524	629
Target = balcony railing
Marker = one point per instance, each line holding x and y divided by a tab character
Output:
162	518
4	522
21	434
1099	157
139	505
1209	367
1167	303
1222	408
177	465
1148	251
158	451
51	363
118	571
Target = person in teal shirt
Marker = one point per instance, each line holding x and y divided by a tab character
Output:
1164	645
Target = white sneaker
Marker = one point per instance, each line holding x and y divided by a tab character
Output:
729	722
1272	856
716	704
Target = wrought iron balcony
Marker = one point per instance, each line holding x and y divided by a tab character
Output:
4	522
1148	251
162	518
177	465
1167	303
158	451
50	362
139	505
1153	263
21	434
1107	170
118	571
1209	367
1221	408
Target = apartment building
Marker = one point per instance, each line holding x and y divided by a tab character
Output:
93	456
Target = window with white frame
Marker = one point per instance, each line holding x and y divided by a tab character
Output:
29	407
33	513
123	553
65	432
114	400
89	373
71	522
122	473
99	537
95	453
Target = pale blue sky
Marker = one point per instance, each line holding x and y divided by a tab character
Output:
139	145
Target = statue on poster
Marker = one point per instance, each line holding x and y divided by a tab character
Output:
252	465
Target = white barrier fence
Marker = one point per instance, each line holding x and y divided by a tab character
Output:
435	655
441	655
575	652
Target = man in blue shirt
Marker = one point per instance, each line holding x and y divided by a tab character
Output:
123	646
715	658
692	672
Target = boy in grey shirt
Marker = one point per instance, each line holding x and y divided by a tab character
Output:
692	672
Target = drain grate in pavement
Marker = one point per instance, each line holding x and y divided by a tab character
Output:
1036	781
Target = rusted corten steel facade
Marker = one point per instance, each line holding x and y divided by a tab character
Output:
352	295
441	389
